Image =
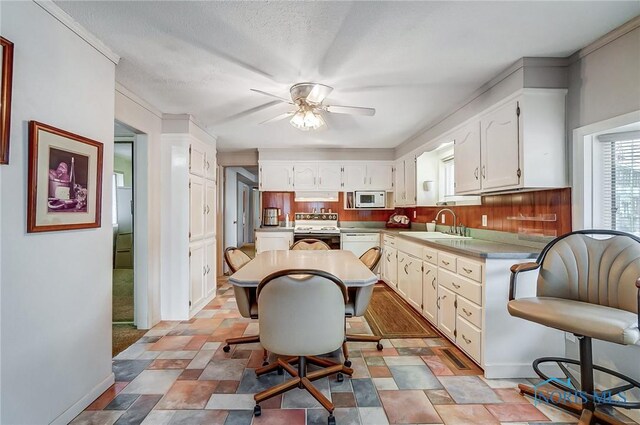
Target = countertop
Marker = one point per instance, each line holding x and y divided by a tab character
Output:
471	247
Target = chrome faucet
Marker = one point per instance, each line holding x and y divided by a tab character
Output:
453	228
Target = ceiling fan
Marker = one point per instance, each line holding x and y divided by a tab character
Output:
307	99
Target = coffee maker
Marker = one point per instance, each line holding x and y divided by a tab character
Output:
270	217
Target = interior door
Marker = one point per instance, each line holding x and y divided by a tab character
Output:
355	176
500	148
466	157
197	208
430	292
447	312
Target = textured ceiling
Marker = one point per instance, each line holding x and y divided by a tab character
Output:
412	61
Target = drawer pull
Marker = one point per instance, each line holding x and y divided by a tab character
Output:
467	270
401	260
468	313
428	271
446	263
455	286
433	282
468	341
429	256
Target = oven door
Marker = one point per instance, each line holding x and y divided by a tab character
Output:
331	239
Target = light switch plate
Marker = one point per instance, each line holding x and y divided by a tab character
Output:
484	220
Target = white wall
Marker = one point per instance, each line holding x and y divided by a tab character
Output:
56	286
139	115
605	83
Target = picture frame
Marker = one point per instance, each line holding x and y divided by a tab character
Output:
65	180
6	81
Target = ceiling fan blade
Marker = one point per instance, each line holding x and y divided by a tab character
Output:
319	93
351	110
282	99
279	117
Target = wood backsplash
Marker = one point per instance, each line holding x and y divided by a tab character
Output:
497	208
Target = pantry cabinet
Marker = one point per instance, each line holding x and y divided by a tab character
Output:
516	137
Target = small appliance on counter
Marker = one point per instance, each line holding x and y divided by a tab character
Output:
270	217
398	221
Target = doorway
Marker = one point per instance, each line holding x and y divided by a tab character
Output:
240	188
124	285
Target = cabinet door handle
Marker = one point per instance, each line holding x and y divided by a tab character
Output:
455	286
467	270
468	313
438	303
468	341
401	260
204	270
369	180
428	271
320	180
433	282
475	173
405	268
446	263
208	209
484	176
365	180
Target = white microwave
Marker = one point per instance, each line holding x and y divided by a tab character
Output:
370	199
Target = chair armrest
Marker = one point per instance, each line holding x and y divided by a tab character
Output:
515	270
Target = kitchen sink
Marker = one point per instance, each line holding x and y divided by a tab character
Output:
433	235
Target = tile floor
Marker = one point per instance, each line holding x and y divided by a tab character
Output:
178	374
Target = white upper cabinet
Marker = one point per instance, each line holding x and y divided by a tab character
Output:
520	145
467	158
405	181
326	175
380	176
305	175
500	147
210	163
354	176
276	176
329	176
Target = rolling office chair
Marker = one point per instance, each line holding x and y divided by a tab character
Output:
310	244
245	298
590	287
301	315
358	300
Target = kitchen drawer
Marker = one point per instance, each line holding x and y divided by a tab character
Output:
430	255
411	248
469	269
470	311
458	284
447	261
469	338
389	240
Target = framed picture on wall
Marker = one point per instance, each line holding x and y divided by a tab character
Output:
6	75
65	180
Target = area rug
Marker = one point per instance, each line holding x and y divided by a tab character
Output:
389	316
123	296
123	336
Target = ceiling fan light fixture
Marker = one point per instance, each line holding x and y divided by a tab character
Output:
306	120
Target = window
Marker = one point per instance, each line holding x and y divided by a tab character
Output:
618	182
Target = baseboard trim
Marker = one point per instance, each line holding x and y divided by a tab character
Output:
69	414
518	370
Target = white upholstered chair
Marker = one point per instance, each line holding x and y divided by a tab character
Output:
589	285
301	314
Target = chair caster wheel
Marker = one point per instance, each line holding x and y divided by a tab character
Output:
331	420
226	348
257	410
347	363
379	347
339	377
265	363
280	370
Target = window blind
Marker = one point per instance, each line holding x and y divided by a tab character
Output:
620	181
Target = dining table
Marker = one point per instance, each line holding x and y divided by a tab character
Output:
342	264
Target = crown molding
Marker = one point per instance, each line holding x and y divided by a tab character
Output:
65	19
612	35
137	99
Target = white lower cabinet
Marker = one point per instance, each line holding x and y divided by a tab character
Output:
468	338
273	241
414	291
447	312
197	273
210	276
430	292
392	266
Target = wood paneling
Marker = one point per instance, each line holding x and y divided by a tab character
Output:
496	207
